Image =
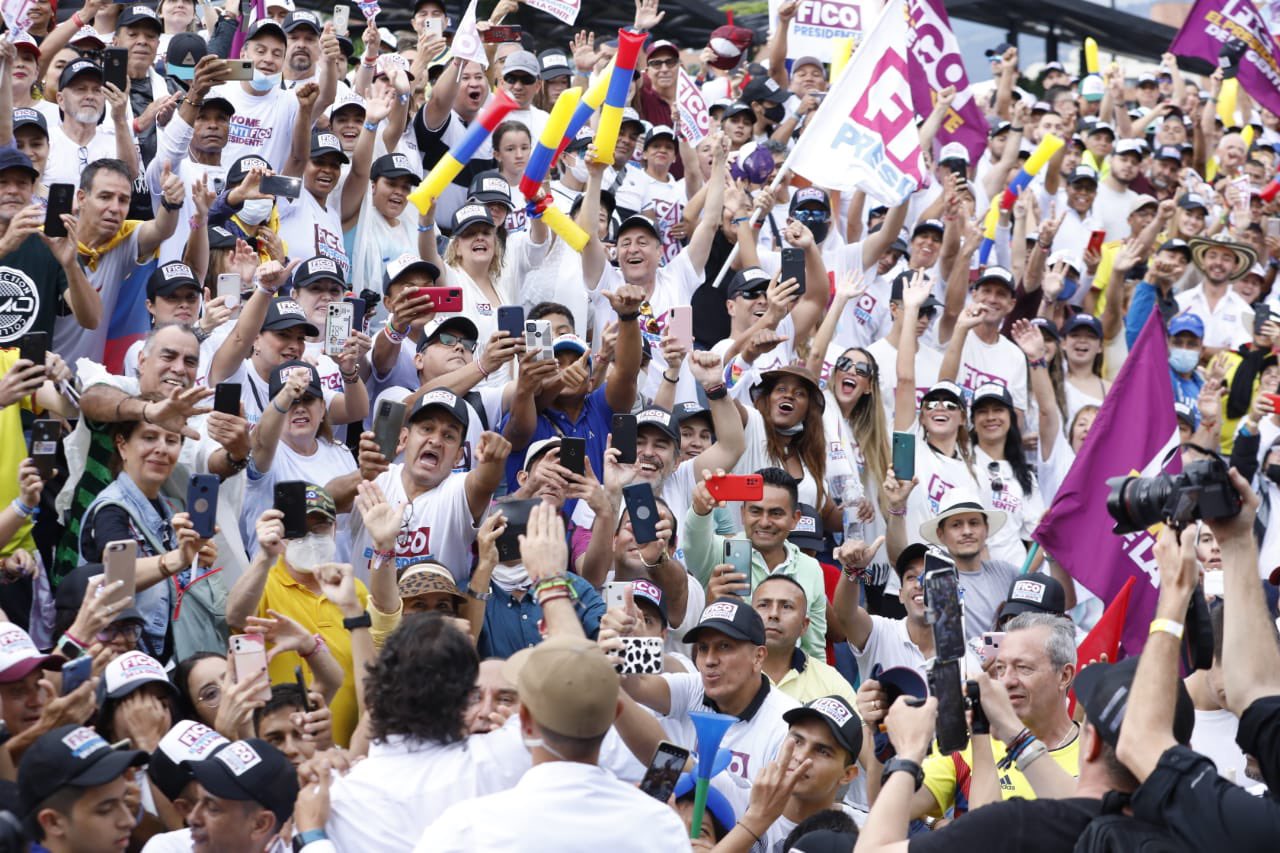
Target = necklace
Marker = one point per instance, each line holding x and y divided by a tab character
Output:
1070	736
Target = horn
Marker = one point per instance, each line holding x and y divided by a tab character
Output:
710	729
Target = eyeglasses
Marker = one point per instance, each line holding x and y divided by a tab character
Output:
755	293
861	368
947	405
811	216
210	695
449	339
663	63
128	631
993	471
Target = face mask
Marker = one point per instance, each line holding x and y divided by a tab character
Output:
265	82
256	210
579	170
510	578
1184	360
775	113
310	551
1273	473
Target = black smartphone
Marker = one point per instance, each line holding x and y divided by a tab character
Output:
358	313
302	685
34	347
623	431
202	503
61	197
904	455
517	516
1261	314
663	773
942	606
226	398
115	67
291	499
387	423
511	320
793	267
944	683
282	186
642	509
573	454
45	435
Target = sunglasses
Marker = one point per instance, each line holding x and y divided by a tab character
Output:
811	216
993	471
663	63
754	293
449	339
946	405
861	368
522	79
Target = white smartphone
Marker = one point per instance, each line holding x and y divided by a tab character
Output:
615	594
338	321
248	656
341	19
434	26
680	324
1273	226
537	338
229	288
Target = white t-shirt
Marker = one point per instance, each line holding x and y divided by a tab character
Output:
1001	362
173	145
262	124
330	461
640	191
1215	736
67	158
937	475
532	118
310	228
1111	207
1023	510
256	394
928	366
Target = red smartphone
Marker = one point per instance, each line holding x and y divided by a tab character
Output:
1095	241
498	33
448	300
1273	400
736	487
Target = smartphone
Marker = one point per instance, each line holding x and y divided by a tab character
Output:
1273	226
76	672
202	503
248	656
448	300
793	267
942	606
737	553
282	186
952	731
34	347
664	770
341	20
359	313
120	563
615	594
502	32
680	324
904	455
736	487
115	67
642	509
297	671
45	435
291	499
229	288
573	454
60	198
511	320
1095	241
1273	400
238	69
517	516
387	423
434	26
226	398
623	438
641	656
537	339
1261	315
990	647
339	319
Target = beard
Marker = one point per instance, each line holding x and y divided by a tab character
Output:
87	115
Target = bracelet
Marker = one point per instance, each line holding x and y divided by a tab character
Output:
276	406
347	380
354	623
263	289
1015	129
1167	626
627	318
77	20
170	206
752	832
367	64
716	392
145	419
480	367
666	378
1029	756
1039	362
553	581
423	229
75	641
391	333
320	644
544	600
370	126
381	556
22	509
135	128
898	513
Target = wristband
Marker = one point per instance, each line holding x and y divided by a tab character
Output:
423	229
364	620
1039	362
22	509
897	764
627	318
666	378
135	128
1167	626
741	219
898	513
392	334
77	20
347	380
370	126
367	64
1029	756
264	289
311	836
170	206
480	367
716	392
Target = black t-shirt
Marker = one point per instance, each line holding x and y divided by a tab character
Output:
32	288
111	524
1014	826
434	144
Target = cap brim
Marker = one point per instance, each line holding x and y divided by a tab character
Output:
803	713
720	626
996	519
125	689
25	667
109	767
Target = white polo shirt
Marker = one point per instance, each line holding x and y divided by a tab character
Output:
1228	324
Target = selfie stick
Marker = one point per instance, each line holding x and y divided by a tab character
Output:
448	167
710	729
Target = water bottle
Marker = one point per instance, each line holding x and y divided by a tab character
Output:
849	492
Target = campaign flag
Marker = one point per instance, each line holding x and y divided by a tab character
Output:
863	136
466	41
258	12
935	65
1104	639
1135	433
16	14
129	321
695	121
562	10
819	24
1212	22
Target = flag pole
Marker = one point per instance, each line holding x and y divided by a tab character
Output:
755	217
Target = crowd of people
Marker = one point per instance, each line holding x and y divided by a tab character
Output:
336	556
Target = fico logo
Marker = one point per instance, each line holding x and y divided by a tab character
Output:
414	542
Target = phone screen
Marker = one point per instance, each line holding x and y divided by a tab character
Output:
664	771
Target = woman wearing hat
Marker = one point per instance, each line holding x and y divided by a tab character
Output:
784	428
1006	480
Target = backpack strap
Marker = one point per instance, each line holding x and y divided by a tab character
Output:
474	399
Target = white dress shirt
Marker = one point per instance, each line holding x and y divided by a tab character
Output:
1228	324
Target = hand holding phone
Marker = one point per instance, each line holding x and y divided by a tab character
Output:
736	487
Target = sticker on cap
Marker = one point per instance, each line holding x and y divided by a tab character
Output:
327	140
806	524
470	210
239	757
833	709
136	665
447	398
646	588
288	306
400	161
176	270
83	742
316	265
655	415
725	610
198	740
25	114
495	185
1028	590
553	59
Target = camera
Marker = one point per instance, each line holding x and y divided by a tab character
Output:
1203	490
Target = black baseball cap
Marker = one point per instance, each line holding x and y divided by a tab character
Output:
808	532
736	108
924	225
139	14
188	740
490	188
240	169
825	841
1176	245
302	18
1104	690
27	117
732	617
1033	593
323	142
660	419
997	275
638	220
265	26
392	166
468	215
12	158
184	51
764	89
900	281
70	755
280	375
250	771
911	553
748	280
840	717
555	63
810	195
221	238
286	314
169	278
691	409
78	67
445	400
316	269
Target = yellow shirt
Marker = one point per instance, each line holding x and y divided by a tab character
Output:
948	776
320	616
13	449
1102	276
810	678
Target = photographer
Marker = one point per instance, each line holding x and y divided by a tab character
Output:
1181	788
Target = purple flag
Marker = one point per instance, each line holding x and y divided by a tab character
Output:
935	65
1134	433
1212	22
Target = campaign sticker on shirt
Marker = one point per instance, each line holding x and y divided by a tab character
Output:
863	307
938	488
835	711
725	610
239	757
19	303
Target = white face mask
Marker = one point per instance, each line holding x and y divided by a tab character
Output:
312	550
509	578
265	82
579	170
256	210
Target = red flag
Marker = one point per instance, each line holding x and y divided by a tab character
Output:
1104	639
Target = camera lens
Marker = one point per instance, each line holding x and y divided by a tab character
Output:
1137	503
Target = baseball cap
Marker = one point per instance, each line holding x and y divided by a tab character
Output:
643	590
838	714
569	343
392	166
638	220
954	151
490	188
319	501
1065	256
221	238
1146	79
998	50
27	117
455	322
944	388
316	269
1101	127
992	391
661	44
911	553
168	278
808	60
999	128
735	108
280	375
19	656
524	62
406	263
1190	201
764	89
344	99
748	280
24	41
78	67
70	755
1141	201
824	841
690	409
12	158
1104	690
1082	321
899	284
658	131
302	18
323	142
1047	326
287	5
630	116
87	35
426	578
1187	322
138	14
130	671
265	26
1131	146
470	214
731	617
810	195
1176	245
554	64
186	741
1083	173
927	225
537	449
286	314
660	419
444	400
250	771
184	51
1033	593
567	685
241	168
1186	413
1091	87
998	275
808	532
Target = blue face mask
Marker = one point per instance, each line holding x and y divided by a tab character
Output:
1184	360
265	82
1069	286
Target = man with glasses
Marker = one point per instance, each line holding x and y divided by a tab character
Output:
80	139
522	80
657	91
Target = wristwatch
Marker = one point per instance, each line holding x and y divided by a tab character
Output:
302	839
68	648
479	596
898	763
364	620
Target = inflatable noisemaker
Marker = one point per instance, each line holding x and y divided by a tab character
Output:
624	68
989	231
535	172
1228	94
1040	155
841	52
710	729
1090	55
1271	190
559	223
1246	133
590	102
448	167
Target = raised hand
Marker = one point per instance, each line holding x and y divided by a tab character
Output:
381	518
1028	338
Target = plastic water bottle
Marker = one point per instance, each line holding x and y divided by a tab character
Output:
850	493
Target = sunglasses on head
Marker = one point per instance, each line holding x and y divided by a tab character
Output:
947	405
450	339
846	364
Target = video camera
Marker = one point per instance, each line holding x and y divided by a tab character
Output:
1203	490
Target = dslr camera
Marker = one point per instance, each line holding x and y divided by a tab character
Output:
1202	491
